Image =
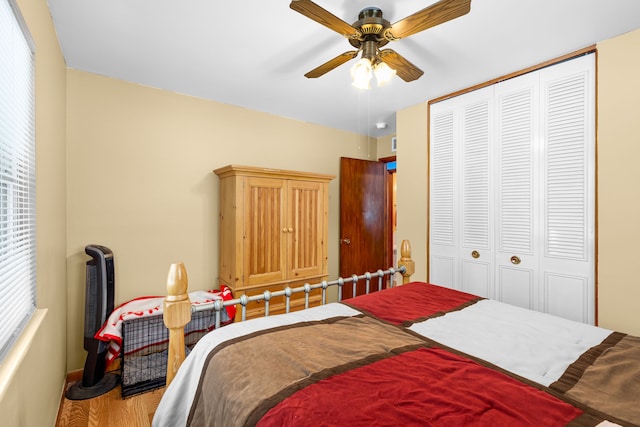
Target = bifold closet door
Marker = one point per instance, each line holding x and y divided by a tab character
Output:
512	189
443	189
461	228
567	127
518	168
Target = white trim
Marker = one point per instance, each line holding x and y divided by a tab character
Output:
11	363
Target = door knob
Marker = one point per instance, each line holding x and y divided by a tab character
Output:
345	241
475	254
515	260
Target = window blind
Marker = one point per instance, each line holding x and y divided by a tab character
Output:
17	177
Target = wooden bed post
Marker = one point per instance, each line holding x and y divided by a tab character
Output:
177	313
405	259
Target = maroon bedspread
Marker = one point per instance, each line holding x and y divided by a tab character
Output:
412	302
423	387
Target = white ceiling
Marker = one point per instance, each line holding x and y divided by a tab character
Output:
254	53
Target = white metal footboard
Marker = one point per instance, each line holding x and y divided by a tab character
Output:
178	308
288	292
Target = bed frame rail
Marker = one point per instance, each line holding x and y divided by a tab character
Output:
178	308
288	292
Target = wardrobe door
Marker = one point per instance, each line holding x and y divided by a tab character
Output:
517	157
264	242
476	245
443	219
567	265
305	229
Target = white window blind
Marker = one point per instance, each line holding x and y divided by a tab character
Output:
17	177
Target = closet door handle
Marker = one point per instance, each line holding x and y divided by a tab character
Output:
515	260
475	254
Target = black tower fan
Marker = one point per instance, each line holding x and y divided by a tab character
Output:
98	306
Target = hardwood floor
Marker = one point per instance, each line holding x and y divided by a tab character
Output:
109	410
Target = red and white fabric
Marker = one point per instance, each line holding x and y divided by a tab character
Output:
111	331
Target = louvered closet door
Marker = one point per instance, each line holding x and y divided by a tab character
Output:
567	264
512	191
476	193
443	210
517	156
461	252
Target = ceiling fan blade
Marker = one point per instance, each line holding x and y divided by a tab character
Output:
437	13
322	16
404	69
331	64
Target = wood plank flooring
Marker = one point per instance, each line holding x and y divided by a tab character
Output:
110	410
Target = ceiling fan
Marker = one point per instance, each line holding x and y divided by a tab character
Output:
371	32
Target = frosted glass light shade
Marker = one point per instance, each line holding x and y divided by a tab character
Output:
383	73
361	74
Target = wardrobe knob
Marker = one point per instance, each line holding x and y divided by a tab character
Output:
475	254
515	260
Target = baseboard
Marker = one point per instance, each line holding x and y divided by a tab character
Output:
73	377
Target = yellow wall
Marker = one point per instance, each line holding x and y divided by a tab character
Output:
32	394
140	181
384	147
619	182
412	184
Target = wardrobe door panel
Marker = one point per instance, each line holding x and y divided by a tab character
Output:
264	248
305	228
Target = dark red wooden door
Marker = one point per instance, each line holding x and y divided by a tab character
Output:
363	219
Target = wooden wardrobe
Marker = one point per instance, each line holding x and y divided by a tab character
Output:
273	232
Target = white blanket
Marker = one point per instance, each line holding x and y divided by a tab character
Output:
528	343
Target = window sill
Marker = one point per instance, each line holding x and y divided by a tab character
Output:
12	361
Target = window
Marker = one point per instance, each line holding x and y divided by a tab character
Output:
17	176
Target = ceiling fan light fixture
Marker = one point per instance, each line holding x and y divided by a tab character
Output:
361	73
384	73
371	32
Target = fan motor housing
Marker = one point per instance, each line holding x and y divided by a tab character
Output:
371	25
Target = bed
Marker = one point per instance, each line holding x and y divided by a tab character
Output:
416	354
